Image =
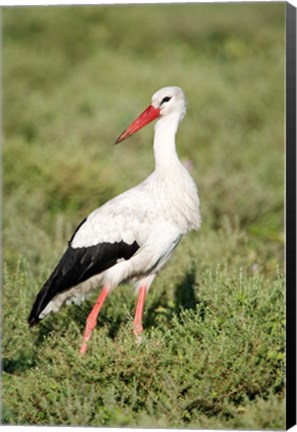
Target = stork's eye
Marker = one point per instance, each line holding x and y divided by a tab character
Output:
165	99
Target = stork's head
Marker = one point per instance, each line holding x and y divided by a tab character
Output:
170	100
165	102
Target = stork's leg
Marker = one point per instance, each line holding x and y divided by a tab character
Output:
92	319
137	327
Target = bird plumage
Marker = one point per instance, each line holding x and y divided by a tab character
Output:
133	235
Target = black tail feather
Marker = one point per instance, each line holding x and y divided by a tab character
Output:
44	296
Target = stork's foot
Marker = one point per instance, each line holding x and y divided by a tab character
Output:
87	335
137	327
92	319
83	348
138	330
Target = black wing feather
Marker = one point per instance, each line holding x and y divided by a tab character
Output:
76	266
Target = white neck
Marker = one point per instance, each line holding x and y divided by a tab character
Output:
164	142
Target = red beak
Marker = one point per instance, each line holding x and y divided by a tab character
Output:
146	117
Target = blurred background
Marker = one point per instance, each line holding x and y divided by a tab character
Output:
75	77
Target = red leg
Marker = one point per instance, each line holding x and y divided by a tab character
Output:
92	319
137	327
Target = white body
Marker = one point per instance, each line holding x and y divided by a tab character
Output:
155	214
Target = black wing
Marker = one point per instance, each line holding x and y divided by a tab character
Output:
76	266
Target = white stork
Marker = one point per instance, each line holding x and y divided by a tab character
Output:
133	235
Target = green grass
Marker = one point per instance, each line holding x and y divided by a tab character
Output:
213	350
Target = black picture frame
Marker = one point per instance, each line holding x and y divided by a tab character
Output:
290	215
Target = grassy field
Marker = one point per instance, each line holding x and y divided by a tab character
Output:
213	350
